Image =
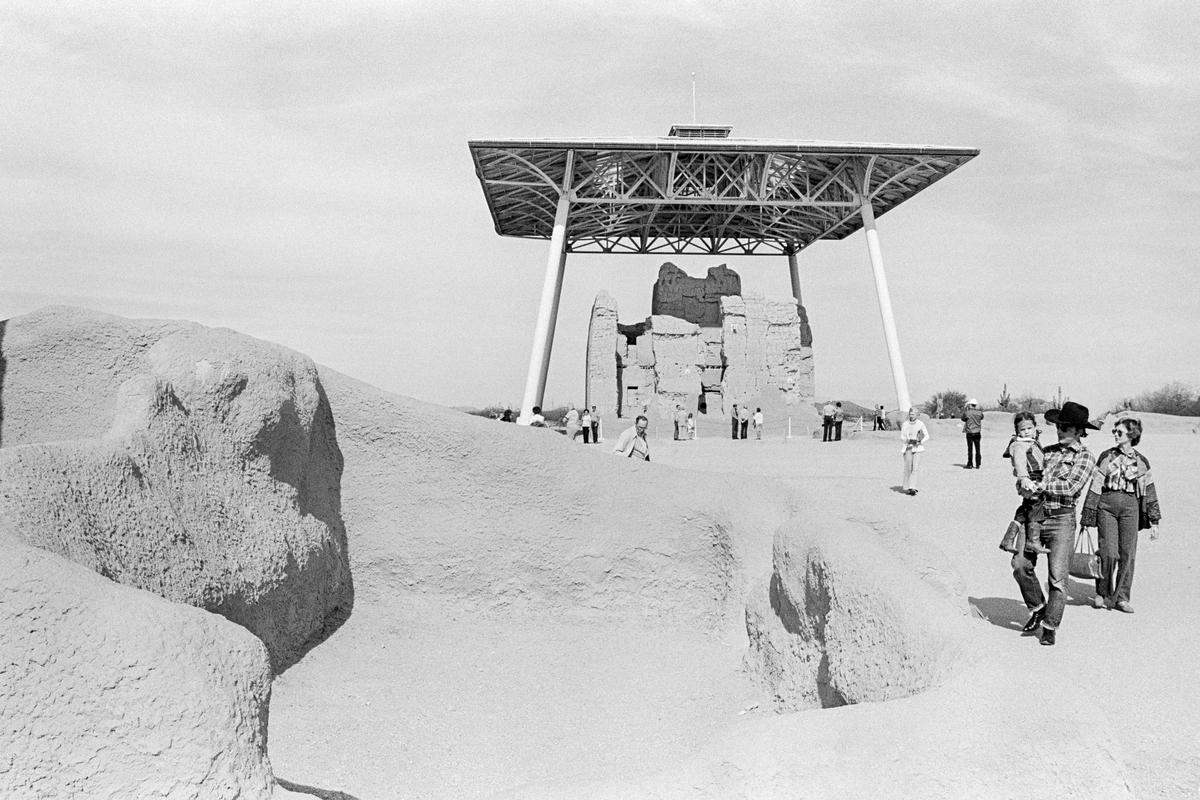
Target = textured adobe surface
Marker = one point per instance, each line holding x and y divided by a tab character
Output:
111	692
195	463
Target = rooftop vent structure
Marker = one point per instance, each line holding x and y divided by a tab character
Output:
700	131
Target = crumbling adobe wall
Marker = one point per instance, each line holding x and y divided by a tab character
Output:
764	352
695	300
702	337
603	345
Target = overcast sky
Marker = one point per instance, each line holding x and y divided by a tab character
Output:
301	174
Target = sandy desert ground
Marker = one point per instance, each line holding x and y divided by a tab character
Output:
422	694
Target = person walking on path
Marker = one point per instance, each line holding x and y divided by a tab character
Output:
632	443
733	421
879	426
1122	502
972	419
914	435
827	422
839	417
758	423
1066	473
744	420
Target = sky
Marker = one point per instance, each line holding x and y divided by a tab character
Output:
299	172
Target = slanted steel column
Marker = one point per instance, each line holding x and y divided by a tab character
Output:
543	333
885	304
541	390
795	270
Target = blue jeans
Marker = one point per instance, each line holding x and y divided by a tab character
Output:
1117	520
1058	534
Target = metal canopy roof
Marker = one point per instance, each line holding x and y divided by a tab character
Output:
720	196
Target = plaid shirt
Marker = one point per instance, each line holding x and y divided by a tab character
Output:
1067	471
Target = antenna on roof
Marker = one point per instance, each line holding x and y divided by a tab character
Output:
693	98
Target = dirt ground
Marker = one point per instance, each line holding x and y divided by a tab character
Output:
414	698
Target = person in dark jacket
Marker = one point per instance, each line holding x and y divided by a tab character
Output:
972	419
1122	502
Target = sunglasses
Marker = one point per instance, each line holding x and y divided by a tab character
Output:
1118	432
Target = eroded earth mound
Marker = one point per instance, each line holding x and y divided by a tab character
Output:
108	691
196	463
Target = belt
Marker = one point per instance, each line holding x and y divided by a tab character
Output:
1061	511
1119	491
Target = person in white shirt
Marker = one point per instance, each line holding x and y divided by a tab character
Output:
758	423
914	434
586	423
632	443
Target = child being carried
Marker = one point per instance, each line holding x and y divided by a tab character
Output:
1027	460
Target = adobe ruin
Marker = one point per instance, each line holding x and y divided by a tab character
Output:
705	346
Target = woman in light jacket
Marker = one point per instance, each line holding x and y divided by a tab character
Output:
915	434
1122	501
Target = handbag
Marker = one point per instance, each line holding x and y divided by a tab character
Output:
1085	561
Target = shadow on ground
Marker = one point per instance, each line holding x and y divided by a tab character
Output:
324	794
1003	612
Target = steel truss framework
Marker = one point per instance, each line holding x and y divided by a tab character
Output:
699	196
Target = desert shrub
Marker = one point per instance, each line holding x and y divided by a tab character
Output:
1174	398
1028	402
953	404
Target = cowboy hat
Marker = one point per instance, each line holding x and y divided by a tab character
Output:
1071	414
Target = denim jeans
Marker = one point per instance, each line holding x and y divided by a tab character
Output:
973	447
1058	534
1117	521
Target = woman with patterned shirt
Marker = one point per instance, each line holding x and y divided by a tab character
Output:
1122	501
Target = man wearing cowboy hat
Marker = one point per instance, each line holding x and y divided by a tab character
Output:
1066	474
972	419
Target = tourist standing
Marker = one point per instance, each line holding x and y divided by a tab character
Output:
1122	502
758	423
744	420
691	426
838	418
879	420
733	422
680	423
827	422
1066	472
595	426
586	422
914	434
632	443
972	419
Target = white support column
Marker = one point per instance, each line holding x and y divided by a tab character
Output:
795	270
885	305
541	389
543	333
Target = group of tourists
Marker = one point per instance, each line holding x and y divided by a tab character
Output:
740	419
832	418
1068	498
585	424
685	424
1062	481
